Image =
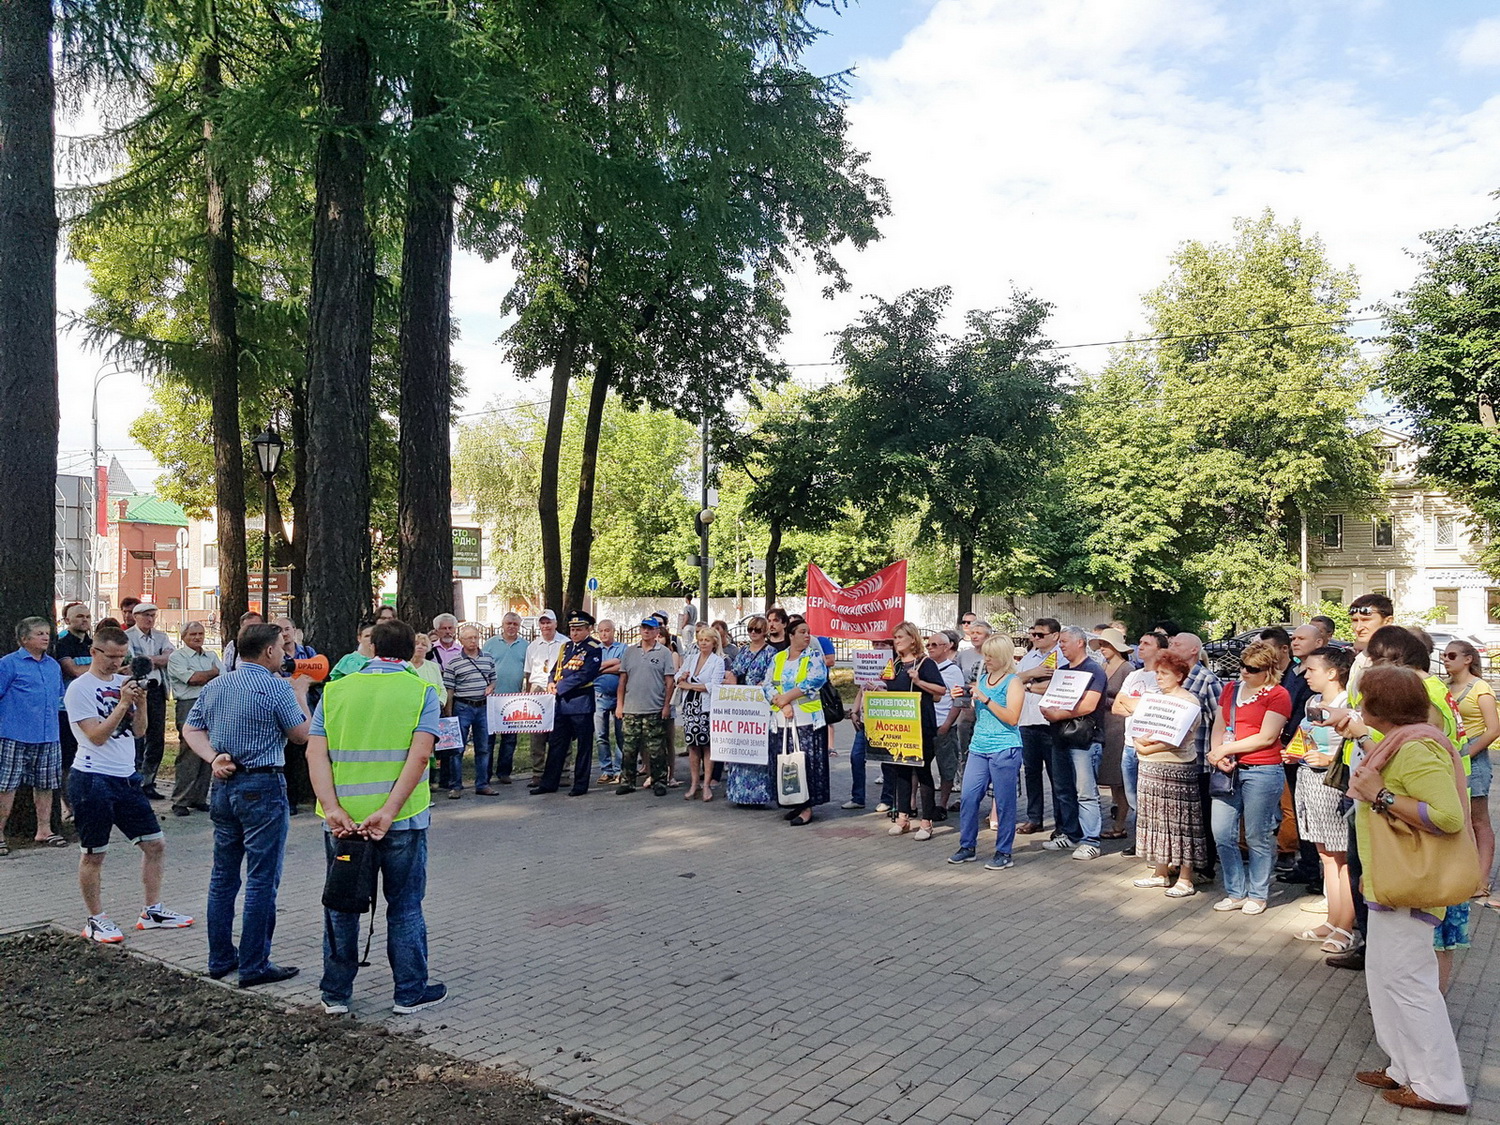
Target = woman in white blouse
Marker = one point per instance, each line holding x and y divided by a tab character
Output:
702	671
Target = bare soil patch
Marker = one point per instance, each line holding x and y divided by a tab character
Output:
92	1034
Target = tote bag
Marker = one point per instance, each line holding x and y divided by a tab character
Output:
790	773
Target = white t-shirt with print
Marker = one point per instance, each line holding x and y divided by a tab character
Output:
89	697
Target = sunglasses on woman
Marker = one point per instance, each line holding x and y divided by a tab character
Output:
754	629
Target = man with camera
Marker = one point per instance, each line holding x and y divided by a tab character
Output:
240	725
372	737
148	641
108	713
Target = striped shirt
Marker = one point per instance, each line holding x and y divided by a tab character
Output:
469	677
247	713
1207	687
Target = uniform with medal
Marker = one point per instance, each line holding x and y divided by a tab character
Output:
572	682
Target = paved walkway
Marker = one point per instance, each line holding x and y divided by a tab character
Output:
675	963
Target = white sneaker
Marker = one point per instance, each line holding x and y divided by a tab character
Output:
851	805
99	928
335	1008
1060	844
1086	851
158	917
882	807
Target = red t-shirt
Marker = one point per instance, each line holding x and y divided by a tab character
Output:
1250	717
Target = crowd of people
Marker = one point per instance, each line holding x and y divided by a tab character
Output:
1299	770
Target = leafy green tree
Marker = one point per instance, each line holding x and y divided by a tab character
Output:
1443	364
1191	462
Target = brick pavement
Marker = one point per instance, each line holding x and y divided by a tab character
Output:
677	962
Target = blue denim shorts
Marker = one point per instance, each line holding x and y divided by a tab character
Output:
1483	772
101	802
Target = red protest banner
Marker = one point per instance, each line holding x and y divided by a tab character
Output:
866	610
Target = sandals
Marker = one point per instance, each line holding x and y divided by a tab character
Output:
1146	881
1313	935
52	841
1336	944
1483	893
4	848
691	793
1181	890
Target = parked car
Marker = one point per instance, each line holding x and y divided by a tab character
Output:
1223	657
1441	639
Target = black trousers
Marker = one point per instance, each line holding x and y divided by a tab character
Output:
149	750
1207	803
567	729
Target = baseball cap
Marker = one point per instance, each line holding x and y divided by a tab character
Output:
545	615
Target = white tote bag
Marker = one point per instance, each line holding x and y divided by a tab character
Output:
789	772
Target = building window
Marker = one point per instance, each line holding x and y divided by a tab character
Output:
1446	599
481	608
210	555
1333	532
174	603
1444	532
1334	594
1385	535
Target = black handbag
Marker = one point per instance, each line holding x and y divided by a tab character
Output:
1221	784
353	875
832	702
1076	733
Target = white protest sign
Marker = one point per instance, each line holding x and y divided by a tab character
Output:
869	663
739	724
1067	688
449	734
527	713
1164	718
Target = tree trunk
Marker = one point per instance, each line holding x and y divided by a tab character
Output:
424	550
583	518
28	316
773	548
297	540
341	312
546	501
965	577
224	358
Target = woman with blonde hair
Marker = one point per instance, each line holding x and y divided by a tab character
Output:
701	672
994	754
912	670
1475	700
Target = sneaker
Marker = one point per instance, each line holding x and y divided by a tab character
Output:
1086	851
882	807
99	928
335	1008
852	805
625	787
1224	905
158	917
999	863
1060	844
432	995
963	855
922	834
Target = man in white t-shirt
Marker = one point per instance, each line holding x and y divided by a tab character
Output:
541	658
108	713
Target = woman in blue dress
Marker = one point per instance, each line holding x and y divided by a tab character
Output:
793	689
748	786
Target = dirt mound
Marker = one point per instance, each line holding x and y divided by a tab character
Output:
89	1033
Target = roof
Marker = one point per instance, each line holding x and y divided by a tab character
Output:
148	509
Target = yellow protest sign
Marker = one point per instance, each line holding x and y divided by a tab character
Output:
893	726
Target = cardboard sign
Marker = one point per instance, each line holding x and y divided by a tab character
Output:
449	735
870	665
1066	688
739	724
893	727
872	608
526	713
1164	718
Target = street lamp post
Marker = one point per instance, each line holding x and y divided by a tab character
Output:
268	446
94	548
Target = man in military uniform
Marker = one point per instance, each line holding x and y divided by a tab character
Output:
572	682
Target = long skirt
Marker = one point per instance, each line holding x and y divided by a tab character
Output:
1318	819
814	746
1169	821
747	785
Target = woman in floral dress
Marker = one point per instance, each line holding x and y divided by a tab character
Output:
749	786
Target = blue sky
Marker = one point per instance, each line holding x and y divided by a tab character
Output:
1070	146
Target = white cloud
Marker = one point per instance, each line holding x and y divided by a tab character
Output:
1478	47
1072	145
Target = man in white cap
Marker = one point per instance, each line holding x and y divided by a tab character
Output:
541	658
148	641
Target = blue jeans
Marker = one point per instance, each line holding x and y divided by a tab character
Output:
1086	787
1000	771
250	817
857	765
1130	770
1257	798
472	719
605	722
403	878
1064	789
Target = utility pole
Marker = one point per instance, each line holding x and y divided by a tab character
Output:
705	518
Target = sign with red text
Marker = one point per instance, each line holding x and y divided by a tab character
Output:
893	727
739	724
1164	718
527	713
871	665
869	609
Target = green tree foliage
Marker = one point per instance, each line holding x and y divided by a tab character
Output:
1443	336
1191	462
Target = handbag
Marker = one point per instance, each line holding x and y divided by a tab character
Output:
1076	733
790	773
1336	776
353	875
832	703
1221	784
1412	868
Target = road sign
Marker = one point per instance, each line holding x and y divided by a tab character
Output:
757	566
593	585
468	552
